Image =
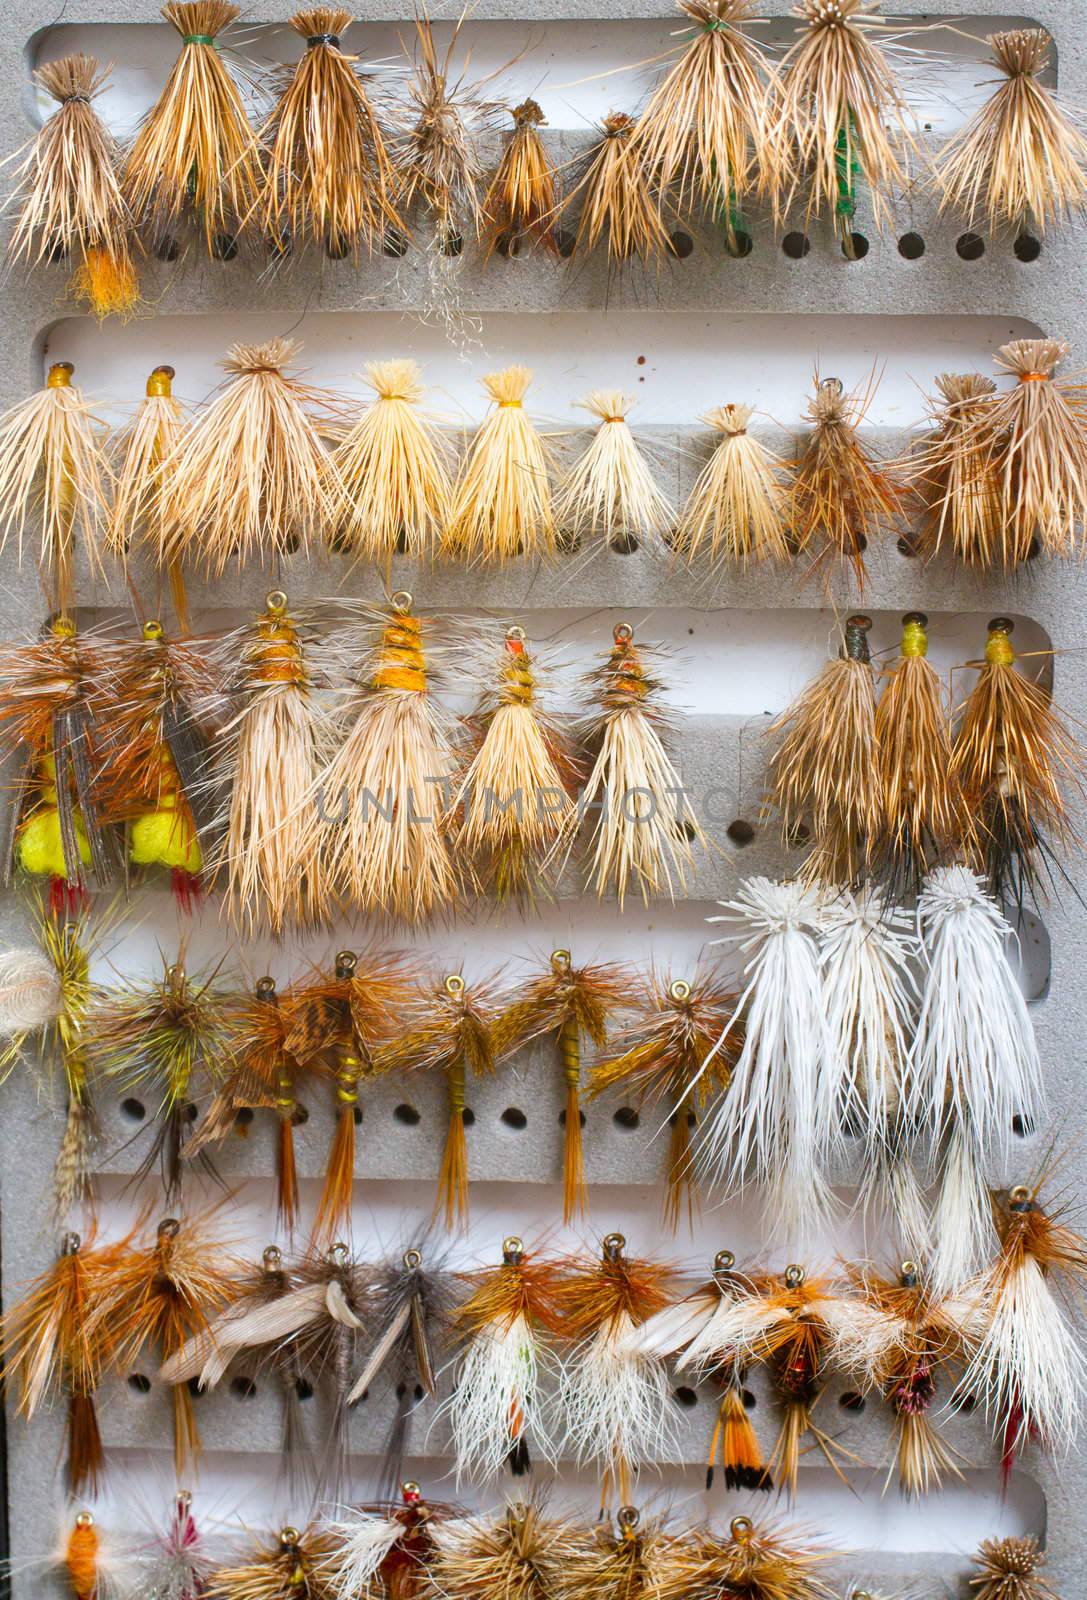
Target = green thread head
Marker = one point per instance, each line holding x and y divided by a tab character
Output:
856	638
847	167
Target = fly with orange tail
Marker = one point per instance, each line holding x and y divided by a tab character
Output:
338	1025
67	194
676	1029
569	1004
53	1347
264	1076
696	1331
789	1324
452	1030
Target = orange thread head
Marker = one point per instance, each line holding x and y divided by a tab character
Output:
402	664
81	1556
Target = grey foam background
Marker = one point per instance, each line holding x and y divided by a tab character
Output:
1048	292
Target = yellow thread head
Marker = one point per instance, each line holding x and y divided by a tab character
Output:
60	375
914	635
998	646
160	383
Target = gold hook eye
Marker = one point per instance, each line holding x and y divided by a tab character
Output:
724	1261
513	1245
741	1529
169	1228
1019	1195
276	602
794	1276
84	1519
153	630
560	960
401	601
272	1258
679	989
410	1487
515	633
628	1516
339	1253
288	1537
454	984
622	633
832	385
413	1259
